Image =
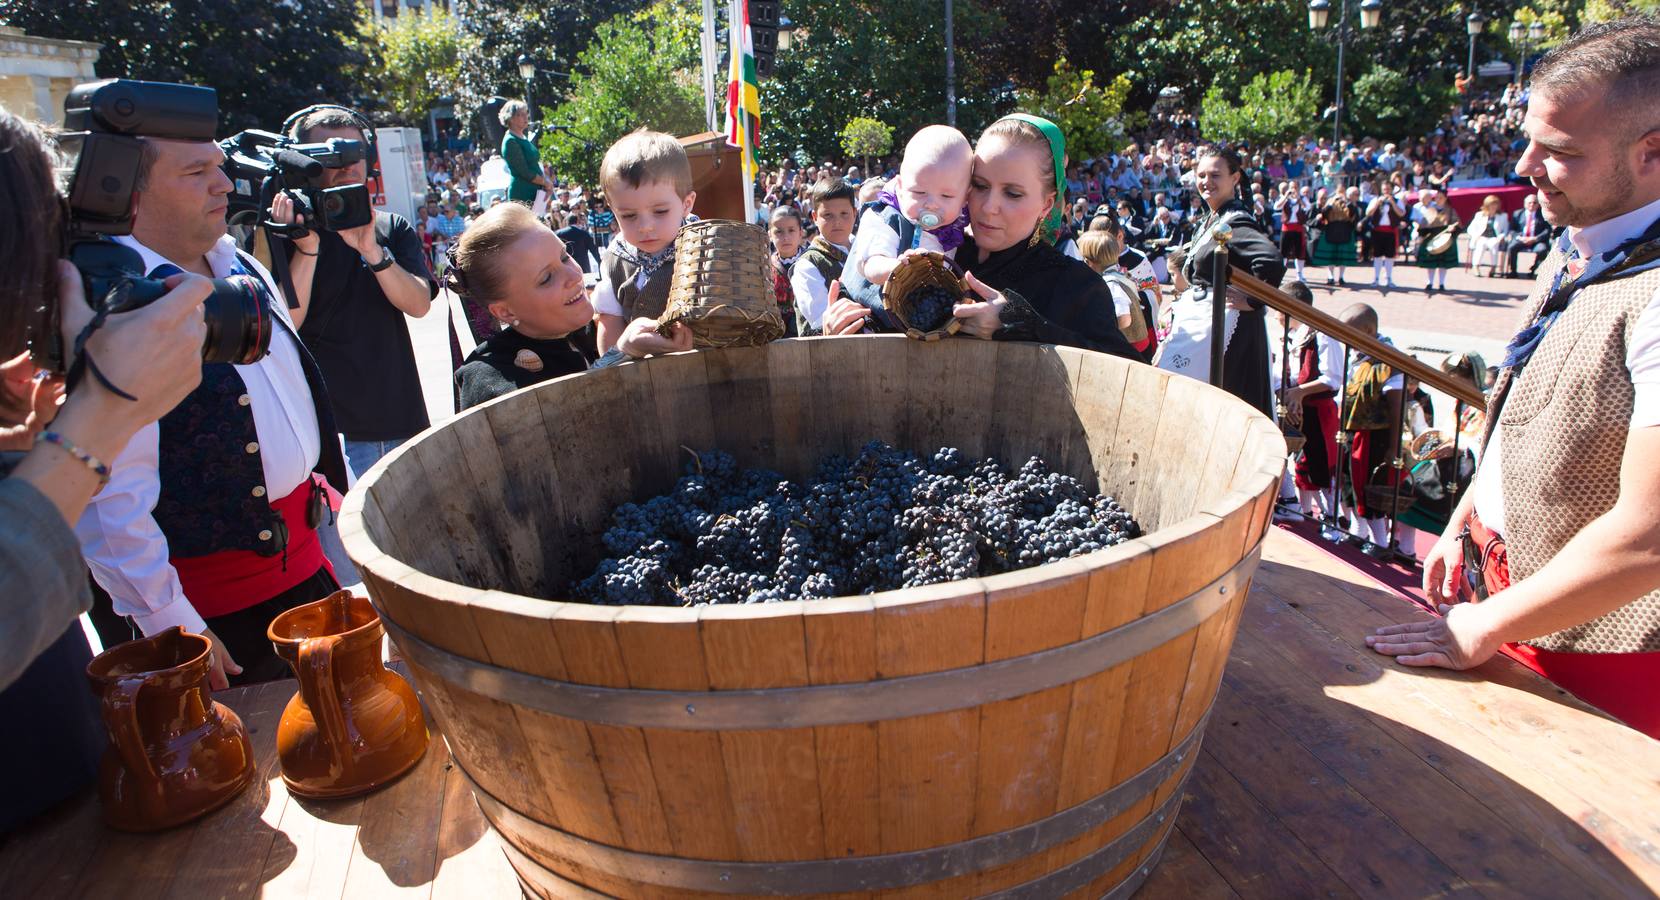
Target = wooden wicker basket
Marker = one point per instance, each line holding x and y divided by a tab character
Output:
915	272
1388	499
722	286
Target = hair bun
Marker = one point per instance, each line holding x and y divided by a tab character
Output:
455	278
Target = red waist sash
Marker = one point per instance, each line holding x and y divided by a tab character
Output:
231	580
1620	684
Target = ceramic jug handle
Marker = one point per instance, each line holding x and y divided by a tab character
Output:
120	708
319	691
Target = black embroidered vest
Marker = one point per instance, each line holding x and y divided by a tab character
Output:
213	495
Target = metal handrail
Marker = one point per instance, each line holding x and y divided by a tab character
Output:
1353	337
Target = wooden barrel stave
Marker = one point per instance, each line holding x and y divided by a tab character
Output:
641	770
1125	837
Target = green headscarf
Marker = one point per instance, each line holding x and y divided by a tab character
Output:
1051	226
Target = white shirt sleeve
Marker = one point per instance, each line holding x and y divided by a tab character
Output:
1642	360
1121	300
1331	362
124	546
605	298
812	295
1070	248
874	238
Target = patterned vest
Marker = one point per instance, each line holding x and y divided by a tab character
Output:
212	481
1565	426
638	302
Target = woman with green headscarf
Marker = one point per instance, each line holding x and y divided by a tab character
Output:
1027	290
1023	289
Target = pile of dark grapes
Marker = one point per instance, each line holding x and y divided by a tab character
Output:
930	307
883	520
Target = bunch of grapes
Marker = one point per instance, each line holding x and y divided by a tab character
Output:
931	307
882	520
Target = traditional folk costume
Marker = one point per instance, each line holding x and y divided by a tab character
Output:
1587	364
1371	416
1319	362
1384	218
1335	247
1293	212
1431	224
781	269
1245	364
817	266
210	516
633	284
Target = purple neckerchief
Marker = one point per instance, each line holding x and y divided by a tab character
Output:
950	236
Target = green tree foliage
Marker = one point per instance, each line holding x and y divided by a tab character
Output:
1221	43
265	59
1604	10
553	32
885	60
641	71
1272	108
1088	114
412	61
866	137
1387	105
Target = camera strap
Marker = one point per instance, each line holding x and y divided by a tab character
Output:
83	357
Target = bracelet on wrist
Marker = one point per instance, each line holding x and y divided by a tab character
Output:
303	252
68	446
385	263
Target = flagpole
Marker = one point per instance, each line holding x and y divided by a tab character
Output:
741	126
711	61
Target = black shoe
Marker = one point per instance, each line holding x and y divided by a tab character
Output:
1341	281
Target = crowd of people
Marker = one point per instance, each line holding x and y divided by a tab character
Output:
205	503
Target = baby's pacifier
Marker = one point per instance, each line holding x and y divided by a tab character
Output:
929	220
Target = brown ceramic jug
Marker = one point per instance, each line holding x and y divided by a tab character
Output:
354	725
174	754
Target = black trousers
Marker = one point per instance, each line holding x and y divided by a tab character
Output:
243	631
1538	246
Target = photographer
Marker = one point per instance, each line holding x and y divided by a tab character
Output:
210	517
353	289
52	454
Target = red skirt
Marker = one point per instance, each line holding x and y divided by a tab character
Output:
1318	461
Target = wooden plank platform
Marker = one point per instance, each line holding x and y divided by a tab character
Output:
1327	771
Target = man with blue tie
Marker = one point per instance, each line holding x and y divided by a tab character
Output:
1528	231
209	520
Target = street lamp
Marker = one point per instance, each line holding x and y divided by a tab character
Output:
1319	13
527	71
1473	25
1525	38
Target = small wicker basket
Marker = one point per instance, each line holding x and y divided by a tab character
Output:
914	273
1389	499
722	287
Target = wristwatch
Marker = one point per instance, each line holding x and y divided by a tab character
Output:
385	263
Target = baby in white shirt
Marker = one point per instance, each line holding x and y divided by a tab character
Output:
929	193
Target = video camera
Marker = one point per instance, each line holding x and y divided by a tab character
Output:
262	164
105	123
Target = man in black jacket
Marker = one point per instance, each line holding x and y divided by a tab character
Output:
353	289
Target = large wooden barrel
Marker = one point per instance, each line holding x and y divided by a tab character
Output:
1023	735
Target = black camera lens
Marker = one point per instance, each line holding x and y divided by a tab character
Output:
238	322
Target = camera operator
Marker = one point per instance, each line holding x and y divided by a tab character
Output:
210	517
53	454
353	288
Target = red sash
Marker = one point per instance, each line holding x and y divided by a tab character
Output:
1620	684
232	580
